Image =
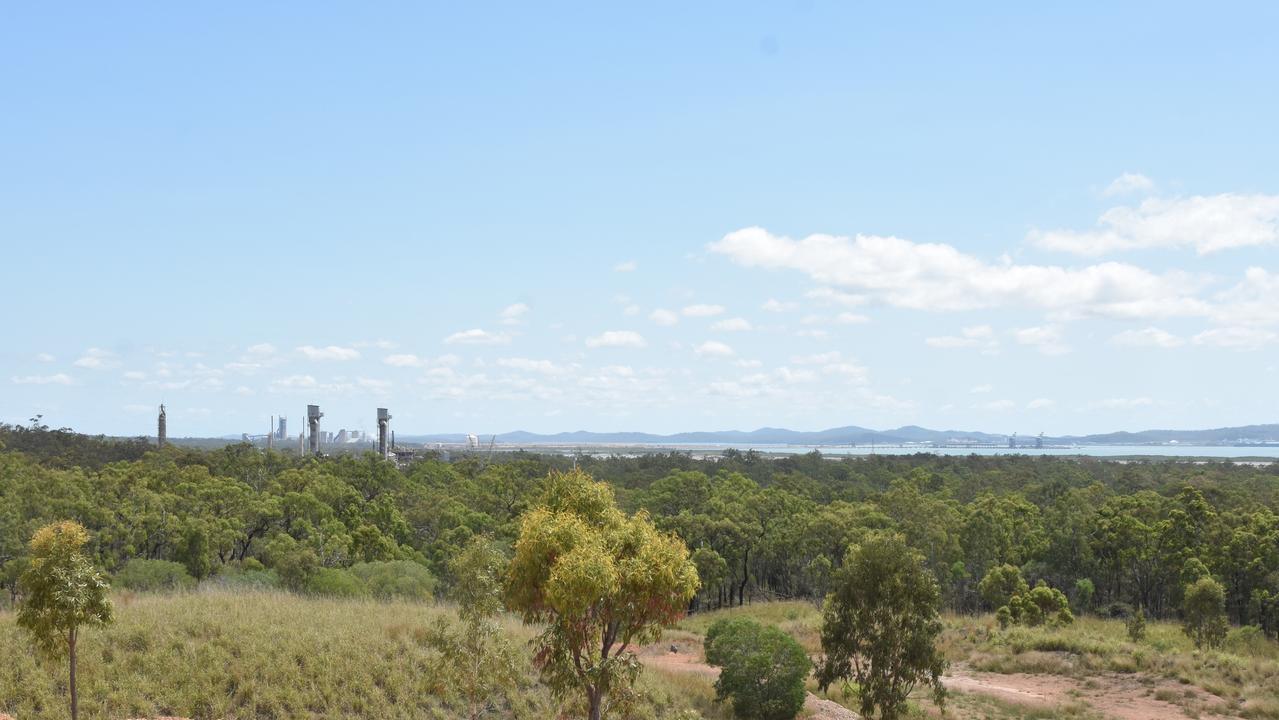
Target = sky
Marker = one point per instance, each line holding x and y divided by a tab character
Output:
658	217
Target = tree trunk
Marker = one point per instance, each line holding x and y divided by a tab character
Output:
596	705
75	698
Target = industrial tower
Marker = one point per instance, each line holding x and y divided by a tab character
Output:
383	427
313	416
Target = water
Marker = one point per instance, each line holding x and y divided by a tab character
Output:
1198	451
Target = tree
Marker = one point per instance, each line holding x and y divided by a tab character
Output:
763	669
1041	604
1136	626
63	592
476	660
880	626
1203	612
599	581
1001	584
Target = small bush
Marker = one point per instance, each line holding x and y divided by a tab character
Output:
403	579
334	582
1136	626
154	576
763	669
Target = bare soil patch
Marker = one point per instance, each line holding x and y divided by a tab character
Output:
1122	696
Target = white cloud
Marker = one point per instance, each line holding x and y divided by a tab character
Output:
404	360
545	367
95	359
329	352
772	305
135	375
1237	338
824	358
45	358
512	314
627	266
1206	223
703	310
712	348
262	349
56	379
663	317
1148	337
831	296
940	278
982	336
617	338
1253	301
1040	403
1129	183
477	336
736	324
980	389
1047	339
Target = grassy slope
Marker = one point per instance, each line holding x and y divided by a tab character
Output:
262	655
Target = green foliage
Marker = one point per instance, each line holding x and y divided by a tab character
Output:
1202	614
402	579
335	582
154	576
880	626
1039	605
600	582
62	593
1084	591
1136	626
1001	584
763	669
476	659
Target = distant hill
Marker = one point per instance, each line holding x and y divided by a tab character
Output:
853	434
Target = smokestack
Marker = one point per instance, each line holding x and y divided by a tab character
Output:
313	416
383	426
162	428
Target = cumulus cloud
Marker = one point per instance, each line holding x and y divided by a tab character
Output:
617	339
974	336
939	277
1147	337
1253	301
1237	338
664	317
55	379
1047	339
477	336
703	310
713	348
513	314
1129	183
1207	223
736	324
329	352
95	359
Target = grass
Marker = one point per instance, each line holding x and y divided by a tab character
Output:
239	655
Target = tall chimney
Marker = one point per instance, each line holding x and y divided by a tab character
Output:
162	429
383	426
313	416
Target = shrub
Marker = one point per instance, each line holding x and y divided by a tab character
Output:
334	582
1034	607
403	579
1137	626
1084	591
154	576
1001	584
1203	613
1115	611
763	669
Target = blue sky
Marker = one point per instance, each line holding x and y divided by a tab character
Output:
667	217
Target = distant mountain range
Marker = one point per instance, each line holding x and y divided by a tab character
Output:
852	434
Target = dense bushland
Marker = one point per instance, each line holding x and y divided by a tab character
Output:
1112	536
